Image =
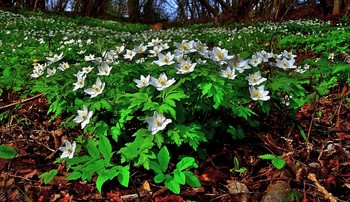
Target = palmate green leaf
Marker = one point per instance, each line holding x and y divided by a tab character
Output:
105	147
48	176
191	179
165	108
163	158
218	96
205	87
159	139
7	152
139	145
106	105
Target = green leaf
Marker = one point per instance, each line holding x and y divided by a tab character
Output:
159	178
92	150
48	176
278	162
267	156
191	179
180	177
105	147
163	158
74	175
159	139
155	167
103	176
173	186
105	105
124	176
7	152
185	163
165	108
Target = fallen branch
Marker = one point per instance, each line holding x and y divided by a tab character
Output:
20	101
321	188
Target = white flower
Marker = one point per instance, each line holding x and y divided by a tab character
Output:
162	82
104	69
157	123
143	81
255	79
96	88
185	66
238	64
55	58
255	60
218	54
154	42
154	52
165	59
68	150
51	72
90	57
285	63
80	83
37	73
228	73
201	48
259	93
302	70
83	117
265	56
129	54
184	47
288	55
140	49
119	49
331	56
87	69
63	66
81	52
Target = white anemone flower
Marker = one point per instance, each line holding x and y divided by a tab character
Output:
51	72
288	55
119	49
80	82
104	69
228	73
255	61
184	47
218	54
154	42
185	66
285	63
90	57
87	69
255	79
55	58
140	49
143	81
162	82
129	54
96	89
238	64
83	117
157	122
68	150
265	56
165	59
201	48
259	93
36	73
63	66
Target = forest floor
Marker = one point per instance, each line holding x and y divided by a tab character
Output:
326	154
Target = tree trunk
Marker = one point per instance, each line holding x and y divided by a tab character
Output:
336	8
134	10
